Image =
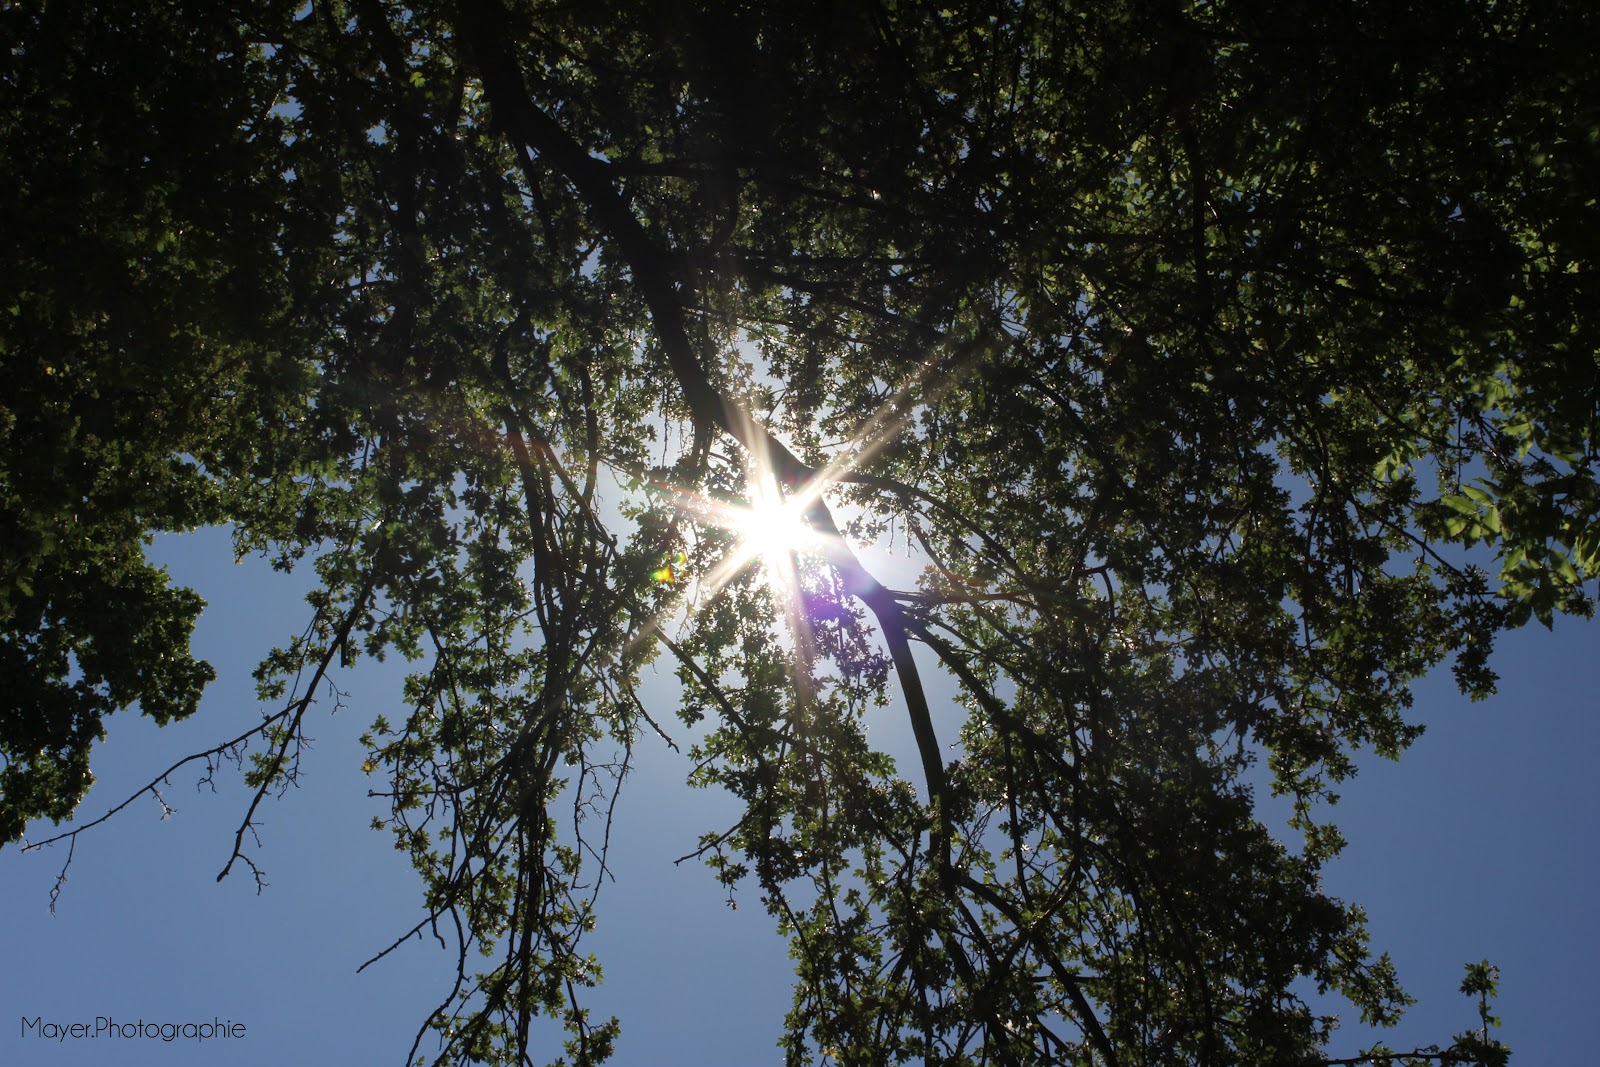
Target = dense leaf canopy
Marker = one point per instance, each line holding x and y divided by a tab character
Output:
1182	346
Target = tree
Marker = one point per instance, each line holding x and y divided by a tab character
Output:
1184	345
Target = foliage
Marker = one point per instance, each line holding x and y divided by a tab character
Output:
1180	343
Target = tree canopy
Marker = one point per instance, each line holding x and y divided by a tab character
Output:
1183	346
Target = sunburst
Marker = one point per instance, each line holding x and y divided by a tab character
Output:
771	533
779	527
771	530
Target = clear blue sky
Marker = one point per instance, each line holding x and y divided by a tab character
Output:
1479	843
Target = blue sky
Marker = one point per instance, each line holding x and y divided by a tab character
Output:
1477	844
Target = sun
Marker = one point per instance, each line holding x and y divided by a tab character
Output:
772	534
771	529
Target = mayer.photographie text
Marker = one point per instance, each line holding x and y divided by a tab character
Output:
108	1027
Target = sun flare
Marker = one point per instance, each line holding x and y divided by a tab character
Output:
771	529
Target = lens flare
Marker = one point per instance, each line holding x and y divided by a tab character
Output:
771	529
